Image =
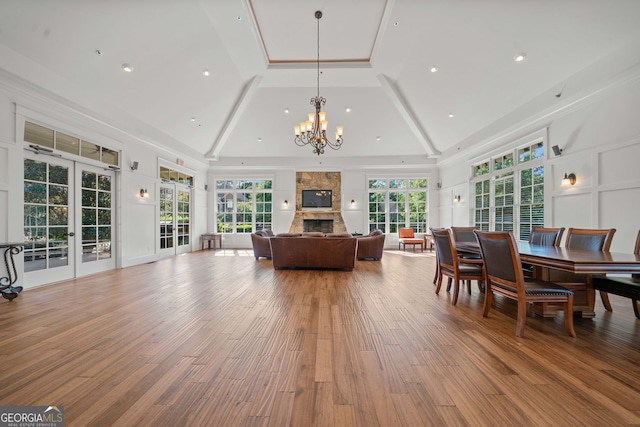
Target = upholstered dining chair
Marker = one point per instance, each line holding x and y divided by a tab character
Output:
543	237
504	276
451	265
589	239
546	236
628	287
465	234
437	272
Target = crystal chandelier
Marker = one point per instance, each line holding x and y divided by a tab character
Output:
314	130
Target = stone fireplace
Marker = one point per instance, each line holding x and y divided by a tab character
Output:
314	181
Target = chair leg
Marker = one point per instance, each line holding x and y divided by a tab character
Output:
522	318
456	289
636	307
469	287
488	299
437	273
605	301
568	316
449	284
438	284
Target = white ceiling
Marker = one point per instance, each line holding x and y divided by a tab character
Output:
375	56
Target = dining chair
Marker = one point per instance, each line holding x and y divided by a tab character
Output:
504	276
589	239
546	236
628	287
452	266
465	234
433	241
543	237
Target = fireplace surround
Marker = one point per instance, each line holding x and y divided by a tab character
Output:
314	180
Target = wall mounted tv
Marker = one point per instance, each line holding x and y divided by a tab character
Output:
314	199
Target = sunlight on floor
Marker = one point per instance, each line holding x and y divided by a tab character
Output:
409	253
233	252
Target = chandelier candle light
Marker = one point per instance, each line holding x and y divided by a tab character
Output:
314	130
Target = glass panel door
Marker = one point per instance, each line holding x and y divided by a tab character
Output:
49	242
96	207
175	219
183	219
167	241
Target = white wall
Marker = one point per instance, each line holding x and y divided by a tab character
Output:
600	138
136	231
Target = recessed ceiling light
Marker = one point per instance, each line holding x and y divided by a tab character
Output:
98	52
286	111
193	119
520	57
450	115
433	69
259	139
206	73
395	24
127	67
378	138
348	109
239	18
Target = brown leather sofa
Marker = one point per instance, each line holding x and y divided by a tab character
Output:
371	246
260	242
313	250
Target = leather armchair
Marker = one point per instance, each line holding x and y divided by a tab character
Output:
261	245
371	246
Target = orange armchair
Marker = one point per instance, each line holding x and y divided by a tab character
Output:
406	236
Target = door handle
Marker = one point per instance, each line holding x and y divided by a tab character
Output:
71	234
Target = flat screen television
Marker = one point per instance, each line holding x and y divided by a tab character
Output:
316	199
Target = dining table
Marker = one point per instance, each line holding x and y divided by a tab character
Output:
571	268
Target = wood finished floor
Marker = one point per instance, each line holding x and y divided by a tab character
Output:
220	339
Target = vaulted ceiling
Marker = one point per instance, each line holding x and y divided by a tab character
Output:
376	59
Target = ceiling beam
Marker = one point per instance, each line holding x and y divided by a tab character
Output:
233	119
405	111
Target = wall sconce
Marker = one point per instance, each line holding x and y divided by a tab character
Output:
457	198
286	203
353	202
134	166
569	179
144	193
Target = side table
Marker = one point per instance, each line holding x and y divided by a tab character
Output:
211	237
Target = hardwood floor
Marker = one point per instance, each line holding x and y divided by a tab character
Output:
220	339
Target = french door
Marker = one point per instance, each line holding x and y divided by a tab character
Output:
175	219
68	219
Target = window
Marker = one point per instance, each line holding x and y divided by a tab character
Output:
50	138
509	191
482	196
243	205
170	175
396	203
